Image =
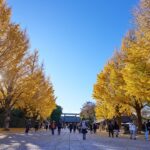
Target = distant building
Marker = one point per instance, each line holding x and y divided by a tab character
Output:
70	118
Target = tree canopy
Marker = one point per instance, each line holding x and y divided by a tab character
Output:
23	83
123	86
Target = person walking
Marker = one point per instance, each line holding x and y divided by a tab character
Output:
79	128
70	127
74	127
84	128
41	125
36	125
116	129
28	126
59	126
148	125
46	124
95	127
91	128
111	129
53	127
146	131
49	126
132	128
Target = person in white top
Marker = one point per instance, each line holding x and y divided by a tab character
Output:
132	128
84	128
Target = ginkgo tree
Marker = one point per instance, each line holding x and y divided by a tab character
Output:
136	48
88	111
111	88
13	70
41	101
125	80
5	13
108	93
13	41
104	110
22	80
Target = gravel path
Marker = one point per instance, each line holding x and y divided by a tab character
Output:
43	140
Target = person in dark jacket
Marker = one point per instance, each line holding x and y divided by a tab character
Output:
74	127
36	125
94	127
111	129
116	129
91	128
59	126
148	126
70	127
28	126
145	129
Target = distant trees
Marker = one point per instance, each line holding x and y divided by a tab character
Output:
56	114
88	111
123	87
22	80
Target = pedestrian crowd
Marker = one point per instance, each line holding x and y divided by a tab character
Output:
47	125
82	127
113	128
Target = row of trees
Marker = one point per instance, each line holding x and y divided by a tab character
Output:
123	86
23	83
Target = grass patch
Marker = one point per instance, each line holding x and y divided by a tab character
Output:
12	130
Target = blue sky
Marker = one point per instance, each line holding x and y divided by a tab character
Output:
75	39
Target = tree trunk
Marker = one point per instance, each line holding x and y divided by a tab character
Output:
139	120
119	119
7	119
139	117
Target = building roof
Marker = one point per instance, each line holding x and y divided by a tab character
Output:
70	119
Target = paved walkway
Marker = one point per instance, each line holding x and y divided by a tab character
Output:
43	140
